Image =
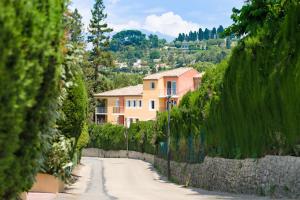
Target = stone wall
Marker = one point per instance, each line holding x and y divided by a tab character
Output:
93	152
277	176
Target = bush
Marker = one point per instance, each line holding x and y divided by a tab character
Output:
107	137
142	137
29	66
57	160
84	138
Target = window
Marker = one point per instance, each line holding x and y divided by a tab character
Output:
152	85
140	103
117	103
174	88
152	105
134	103
169	87
128	103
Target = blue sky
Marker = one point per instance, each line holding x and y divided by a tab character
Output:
164	17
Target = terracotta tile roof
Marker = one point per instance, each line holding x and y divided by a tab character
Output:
136	90
170	73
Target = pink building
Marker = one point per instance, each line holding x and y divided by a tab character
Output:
142	102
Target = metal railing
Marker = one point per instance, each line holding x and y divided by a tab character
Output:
101	110
118	110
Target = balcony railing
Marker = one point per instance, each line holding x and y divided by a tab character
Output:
101	110
118	110
171	91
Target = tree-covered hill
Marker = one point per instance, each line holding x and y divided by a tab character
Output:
136	52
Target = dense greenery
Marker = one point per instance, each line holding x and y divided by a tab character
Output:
142	137
29	66
201	35
74	110
246	106
258	111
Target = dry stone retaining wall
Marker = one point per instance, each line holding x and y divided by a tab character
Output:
277	176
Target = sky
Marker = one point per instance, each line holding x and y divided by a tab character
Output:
163	17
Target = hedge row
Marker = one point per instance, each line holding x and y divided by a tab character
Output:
30	60
258	112
141	137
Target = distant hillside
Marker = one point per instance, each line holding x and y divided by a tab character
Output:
135	51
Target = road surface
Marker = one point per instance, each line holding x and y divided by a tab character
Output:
128	179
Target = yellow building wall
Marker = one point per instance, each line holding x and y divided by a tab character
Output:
111	103
151	94
132	112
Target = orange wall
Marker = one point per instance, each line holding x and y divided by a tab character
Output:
184	83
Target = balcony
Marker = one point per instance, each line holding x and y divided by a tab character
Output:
101	110
171	92
168	92
118	110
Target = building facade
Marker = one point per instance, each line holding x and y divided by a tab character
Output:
142	102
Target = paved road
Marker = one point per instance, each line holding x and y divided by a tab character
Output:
127	179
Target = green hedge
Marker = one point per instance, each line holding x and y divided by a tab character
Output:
107	137
258	113
141	137
29	67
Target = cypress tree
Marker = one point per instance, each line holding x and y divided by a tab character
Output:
206	34
30	60
200	35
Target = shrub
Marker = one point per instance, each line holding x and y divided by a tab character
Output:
57	160
84	138
74	110
29	66
107	137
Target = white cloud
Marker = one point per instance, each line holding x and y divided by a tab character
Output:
167	23
129	25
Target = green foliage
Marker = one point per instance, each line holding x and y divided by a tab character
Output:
84	138
29	67
155	54
202	66
107	137
142	137
254	14
57	160
75	26
188	119
257	113
200	35
127	38
74	110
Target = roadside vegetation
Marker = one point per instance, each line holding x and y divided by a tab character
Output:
246	106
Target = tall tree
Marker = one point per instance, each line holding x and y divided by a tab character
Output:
75	26
220	32
30	61
200	34
99	38
213	34
154	42
206	34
